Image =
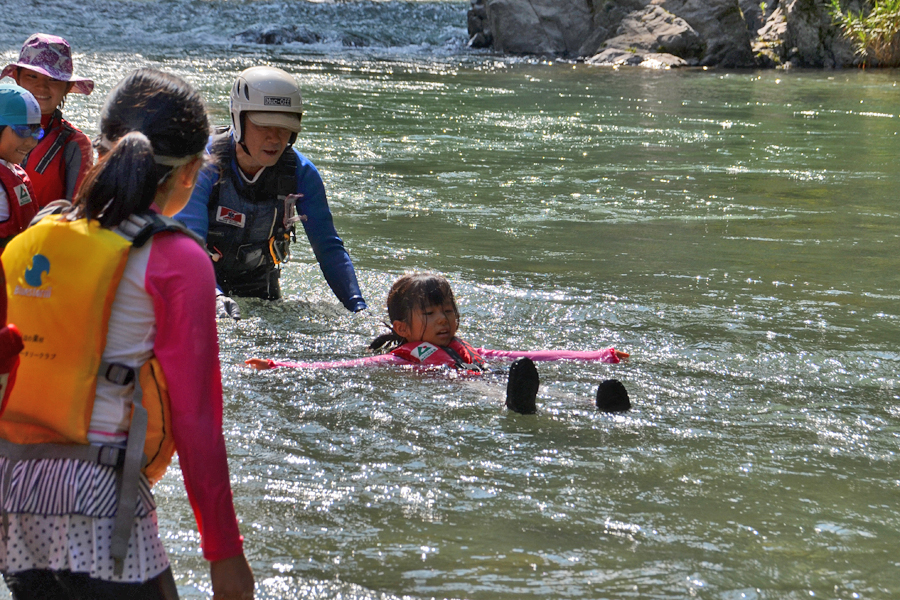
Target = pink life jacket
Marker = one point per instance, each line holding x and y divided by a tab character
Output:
459	355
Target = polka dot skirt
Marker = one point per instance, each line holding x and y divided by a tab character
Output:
77	542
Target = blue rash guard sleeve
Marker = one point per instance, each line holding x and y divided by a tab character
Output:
323	238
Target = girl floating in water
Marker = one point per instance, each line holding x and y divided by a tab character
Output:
424	320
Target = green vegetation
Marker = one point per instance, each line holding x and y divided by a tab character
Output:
875	33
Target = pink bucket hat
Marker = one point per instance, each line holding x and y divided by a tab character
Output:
51	56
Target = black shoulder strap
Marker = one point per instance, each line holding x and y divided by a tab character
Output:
137	228
220	150
141	227
57	145
287	173
460	363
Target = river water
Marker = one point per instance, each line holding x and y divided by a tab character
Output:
736	232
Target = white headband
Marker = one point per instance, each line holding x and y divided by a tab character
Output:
166	161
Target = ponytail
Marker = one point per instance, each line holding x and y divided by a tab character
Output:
122	183
387	342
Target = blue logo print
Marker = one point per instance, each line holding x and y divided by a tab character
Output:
39	265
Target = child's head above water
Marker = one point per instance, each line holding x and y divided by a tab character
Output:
421	308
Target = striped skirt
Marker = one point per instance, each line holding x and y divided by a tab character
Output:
58	514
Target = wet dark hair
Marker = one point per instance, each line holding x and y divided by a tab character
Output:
412	291
151	114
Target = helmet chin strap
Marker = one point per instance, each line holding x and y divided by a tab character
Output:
241	142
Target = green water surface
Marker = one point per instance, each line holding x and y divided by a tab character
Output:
736	232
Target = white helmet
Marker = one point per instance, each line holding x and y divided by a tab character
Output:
266	90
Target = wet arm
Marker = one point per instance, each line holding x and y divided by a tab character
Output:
323	238
609	355
262	364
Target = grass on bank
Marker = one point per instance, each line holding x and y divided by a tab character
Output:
873	32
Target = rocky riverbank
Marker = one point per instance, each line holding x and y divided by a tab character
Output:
665	33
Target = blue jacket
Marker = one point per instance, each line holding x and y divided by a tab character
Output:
316	218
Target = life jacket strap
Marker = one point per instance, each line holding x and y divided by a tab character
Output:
116	373
110	456
128	477
53	150
460	363
127	484
139	228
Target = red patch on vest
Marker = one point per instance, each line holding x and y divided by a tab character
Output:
230	216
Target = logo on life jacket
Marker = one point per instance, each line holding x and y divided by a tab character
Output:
23	195
230	216
424	350
34	278
40	264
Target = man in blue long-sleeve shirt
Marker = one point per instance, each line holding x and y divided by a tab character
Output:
247	203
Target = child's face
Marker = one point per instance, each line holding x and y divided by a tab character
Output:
14	148
435	324
48	92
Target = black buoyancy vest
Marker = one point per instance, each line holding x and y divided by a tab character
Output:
247	224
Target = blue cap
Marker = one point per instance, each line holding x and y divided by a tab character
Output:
18	106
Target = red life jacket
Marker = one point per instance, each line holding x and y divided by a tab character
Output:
20	194
459	355
46	164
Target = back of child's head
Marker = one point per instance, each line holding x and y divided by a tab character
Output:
17	107
152	122
410	292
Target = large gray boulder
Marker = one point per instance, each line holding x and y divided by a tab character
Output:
541	27
721	25
723	33
479	31
651	37
616	57
801	33
585	28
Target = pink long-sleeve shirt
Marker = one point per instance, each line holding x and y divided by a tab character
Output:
607	355
181	283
